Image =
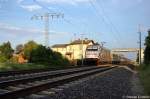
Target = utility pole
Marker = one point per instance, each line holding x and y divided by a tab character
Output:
82	49
140	44
46	17
102	43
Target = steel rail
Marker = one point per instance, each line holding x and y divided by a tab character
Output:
16	72
50	83
51	74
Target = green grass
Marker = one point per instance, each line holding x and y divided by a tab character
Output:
28	66
144	72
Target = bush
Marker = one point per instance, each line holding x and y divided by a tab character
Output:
145	77
41	55
46	56
35	54
28	48
16	66
6	50
14	60
58	59
147	49
3	59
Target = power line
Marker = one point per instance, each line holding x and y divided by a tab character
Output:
103	18
97	14
66	20
46	17
108	18
76	26
108	23
50	10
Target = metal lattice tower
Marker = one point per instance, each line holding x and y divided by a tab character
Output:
46	17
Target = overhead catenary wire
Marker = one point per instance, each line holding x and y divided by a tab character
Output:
81	22
98	13
77	26
45	17
103	18
48	9
108	18
66	20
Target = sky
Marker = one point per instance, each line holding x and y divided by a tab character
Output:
115	22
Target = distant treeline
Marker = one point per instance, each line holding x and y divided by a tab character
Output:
147	49
144	70
31	52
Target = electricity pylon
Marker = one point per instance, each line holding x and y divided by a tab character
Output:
46	17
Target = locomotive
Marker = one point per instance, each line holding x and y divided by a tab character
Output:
96	54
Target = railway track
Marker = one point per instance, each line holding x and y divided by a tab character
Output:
19	72
43	73
23	72
33	83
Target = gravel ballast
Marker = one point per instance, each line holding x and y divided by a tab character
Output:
114	84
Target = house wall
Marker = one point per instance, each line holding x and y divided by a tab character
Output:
75	51
60	50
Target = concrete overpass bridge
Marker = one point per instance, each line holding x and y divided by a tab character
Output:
127	50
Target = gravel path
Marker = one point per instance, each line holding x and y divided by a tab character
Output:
115	84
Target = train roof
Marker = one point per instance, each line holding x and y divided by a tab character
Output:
98	45
80	42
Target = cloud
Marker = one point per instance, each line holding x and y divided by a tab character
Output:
23	31
19	35
19	1
15	30
72	2
31	7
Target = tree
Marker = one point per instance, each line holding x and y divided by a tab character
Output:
58	59
28	47
137	59
19	48
45	55
41	54
6	50
3	58
147	49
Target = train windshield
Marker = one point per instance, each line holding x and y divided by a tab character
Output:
92	48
